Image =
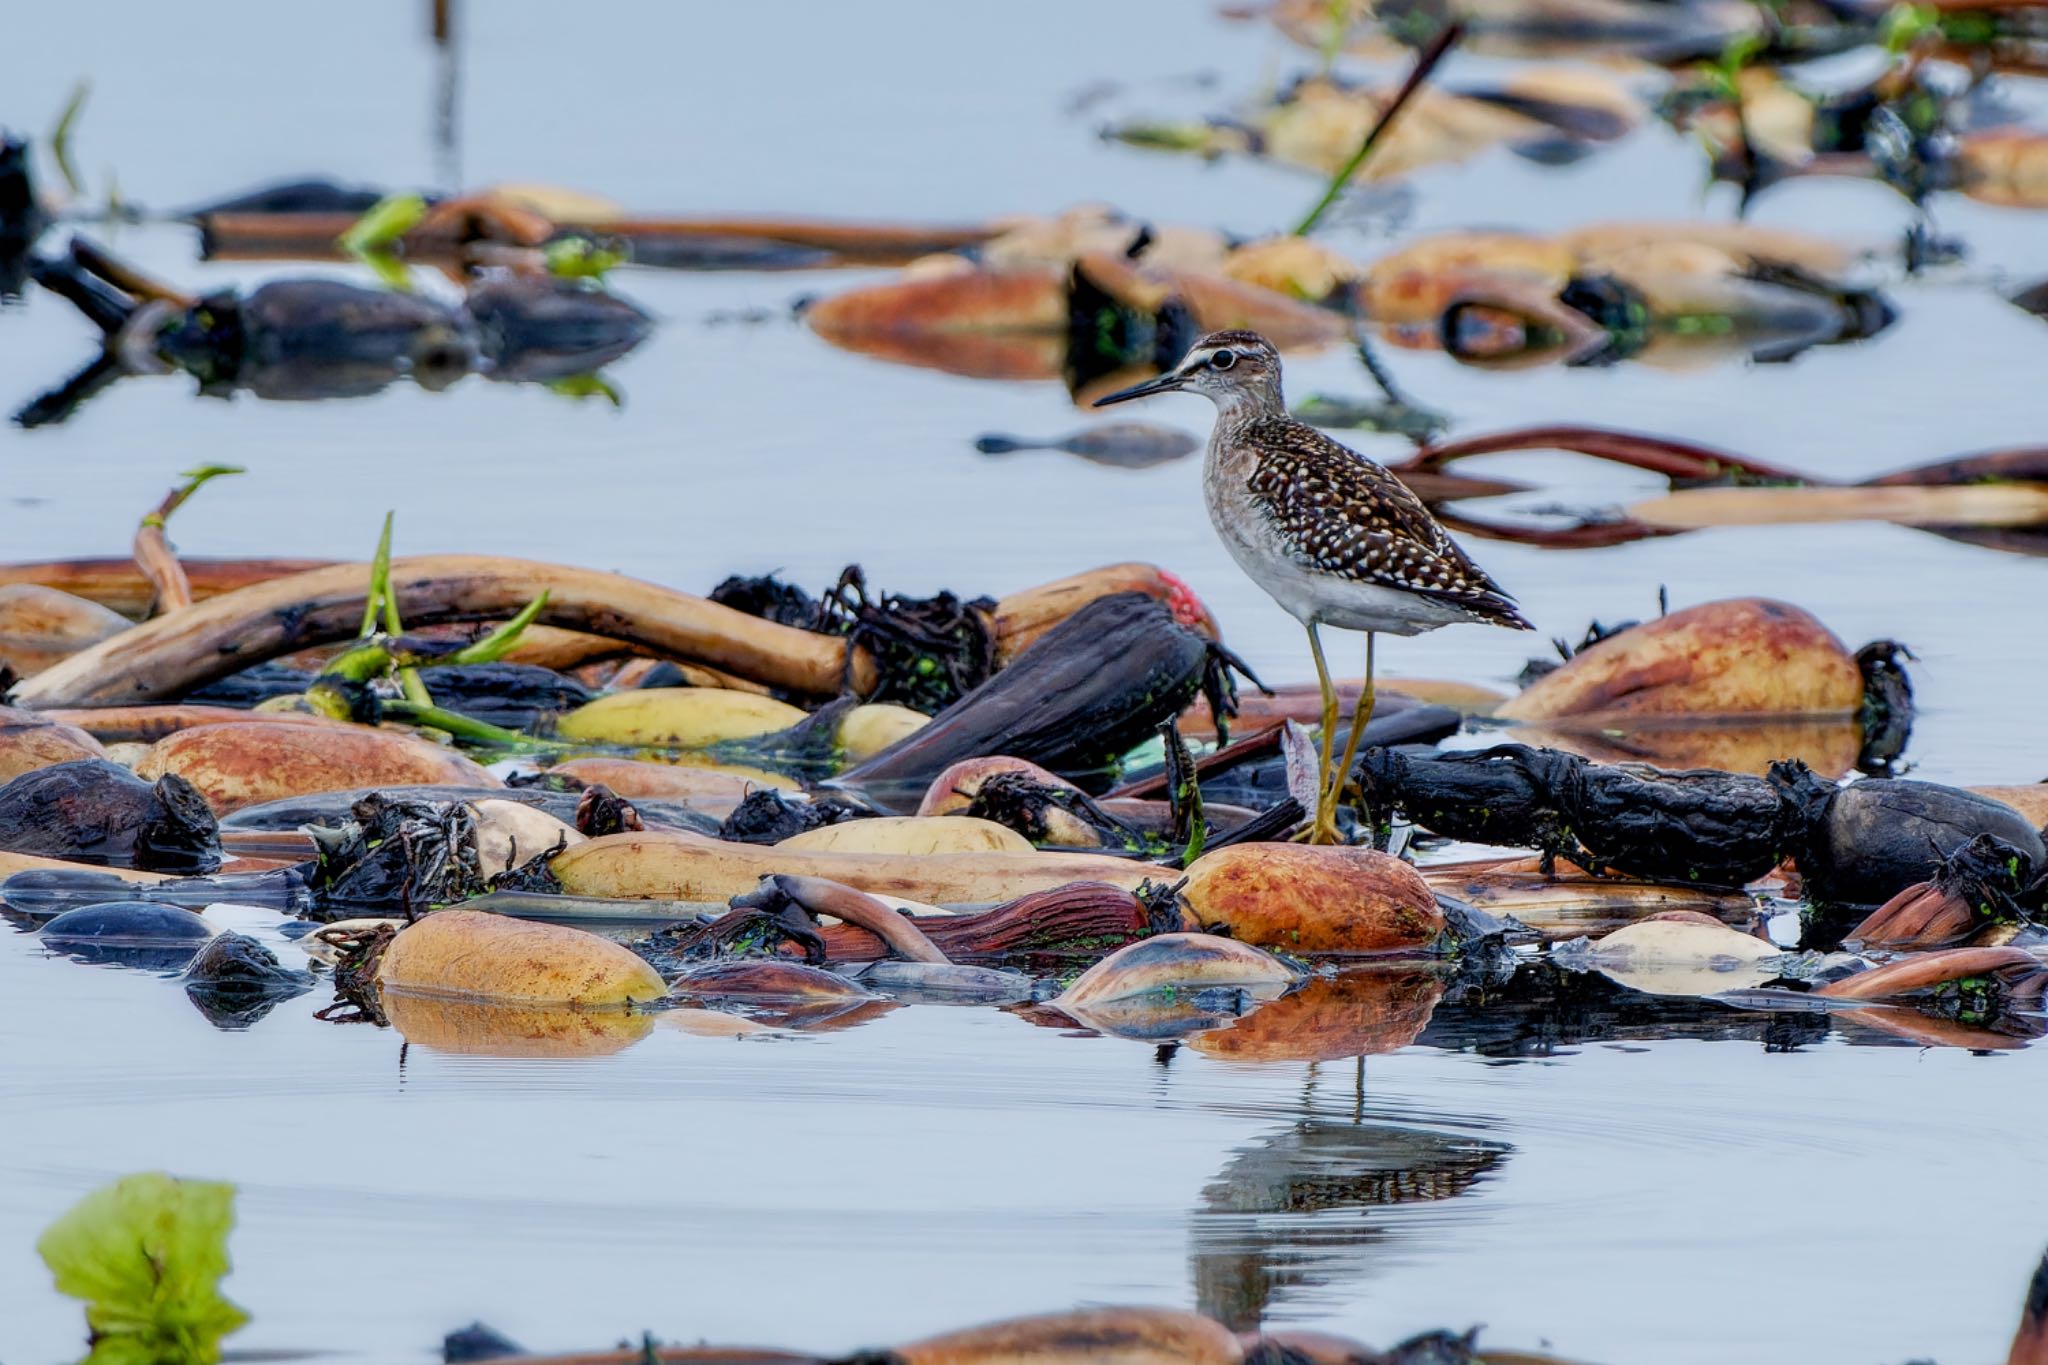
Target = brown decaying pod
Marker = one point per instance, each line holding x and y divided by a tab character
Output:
519	218
2005	166
245	764
1924	915
963	301
147	724
1352	1014
821	896
952	791
1688	509
1214	302
766	980
2029	799
1924	970
1022	617
1062	919
41	625
1098	1336
119	584
491	1028
1742	656
29	741
1414	285
1306	899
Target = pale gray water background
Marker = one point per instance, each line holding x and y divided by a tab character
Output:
1675	1201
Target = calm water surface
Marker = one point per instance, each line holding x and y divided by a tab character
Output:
1672	1200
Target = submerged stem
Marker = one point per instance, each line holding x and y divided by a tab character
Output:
1424	64
467	727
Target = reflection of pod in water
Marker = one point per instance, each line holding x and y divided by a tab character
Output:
490	1028
1542	1008
945	982
764	979
234	981
1828	745
1352	1014
1173	984
317	338
541	329
782	994
145	934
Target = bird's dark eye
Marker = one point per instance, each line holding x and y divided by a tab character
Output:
1223	359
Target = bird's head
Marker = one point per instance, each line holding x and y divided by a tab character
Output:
1234	369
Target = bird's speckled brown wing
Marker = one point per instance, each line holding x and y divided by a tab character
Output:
1341	514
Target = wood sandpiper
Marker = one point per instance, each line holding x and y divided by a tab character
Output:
1330	535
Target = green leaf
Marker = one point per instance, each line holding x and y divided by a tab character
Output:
60	136
391	271
384	223
1904	24
579	258
581	386
146	1254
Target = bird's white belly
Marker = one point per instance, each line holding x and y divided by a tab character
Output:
1310	597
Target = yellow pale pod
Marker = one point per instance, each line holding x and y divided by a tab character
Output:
473	955
677	717
867	730
917	834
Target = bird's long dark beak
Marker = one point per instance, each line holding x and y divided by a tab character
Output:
1165	383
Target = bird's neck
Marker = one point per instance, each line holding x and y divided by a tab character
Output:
1232	453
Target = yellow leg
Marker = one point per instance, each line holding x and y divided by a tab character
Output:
1361	715
1324	831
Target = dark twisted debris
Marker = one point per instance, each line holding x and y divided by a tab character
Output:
301	339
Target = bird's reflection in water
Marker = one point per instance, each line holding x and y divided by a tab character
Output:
1314	1204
